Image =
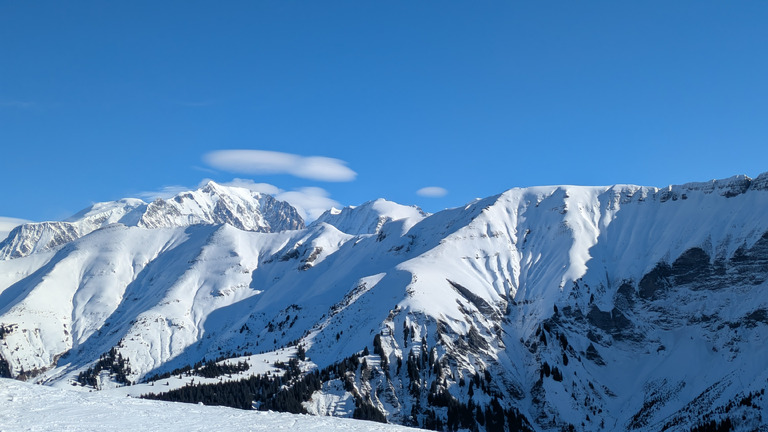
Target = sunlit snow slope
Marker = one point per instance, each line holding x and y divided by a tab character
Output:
605	308
27	407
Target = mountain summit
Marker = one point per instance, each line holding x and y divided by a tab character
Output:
212	204
546	308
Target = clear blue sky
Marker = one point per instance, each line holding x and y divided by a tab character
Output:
103	100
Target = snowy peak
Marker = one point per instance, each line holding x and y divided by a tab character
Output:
217	204
212	204
30	238
36	237
109	212
371	216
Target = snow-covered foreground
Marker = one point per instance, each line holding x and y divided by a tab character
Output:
28	407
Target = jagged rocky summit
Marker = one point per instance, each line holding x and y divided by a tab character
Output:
210	205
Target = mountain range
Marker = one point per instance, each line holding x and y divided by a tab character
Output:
545	308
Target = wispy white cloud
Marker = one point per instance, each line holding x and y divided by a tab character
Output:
432	192
164	193
204	169
7	224
249	184
311	202
271	162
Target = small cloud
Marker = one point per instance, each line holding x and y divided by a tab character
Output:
7	224
249	184
432	192
204	169
311	202
271	162
164	193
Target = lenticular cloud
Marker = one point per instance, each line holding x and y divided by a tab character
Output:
271	162
432	192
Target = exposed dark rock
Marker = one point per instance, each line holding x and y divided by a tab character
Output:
625	297
749	266
310	260
476	340
760	182
692	267
594	356
612	322
666	195
292	254
737	187
483	306
573	314
755	317
655	282
695	269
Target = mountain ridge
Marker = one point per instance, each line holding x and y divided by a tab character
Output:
552	293
210	204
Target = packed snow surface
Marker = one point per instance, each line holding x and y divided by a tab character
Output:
27	407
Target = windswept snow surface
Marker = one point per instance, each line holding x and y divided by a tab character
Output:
651	303
370	217
29	407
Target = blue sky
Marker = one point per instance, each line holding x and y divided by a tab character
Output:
104	100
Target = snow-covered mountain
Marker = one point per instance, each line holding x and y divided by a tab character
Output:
606	308
370	217
211	205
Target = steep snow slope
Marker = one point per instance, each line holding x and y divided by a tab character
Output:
608	308
28	407
211	205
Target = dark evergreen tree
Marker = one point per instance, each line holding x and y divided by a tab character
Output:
479	416
724	425
545	369
556	374
366	411
5	369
